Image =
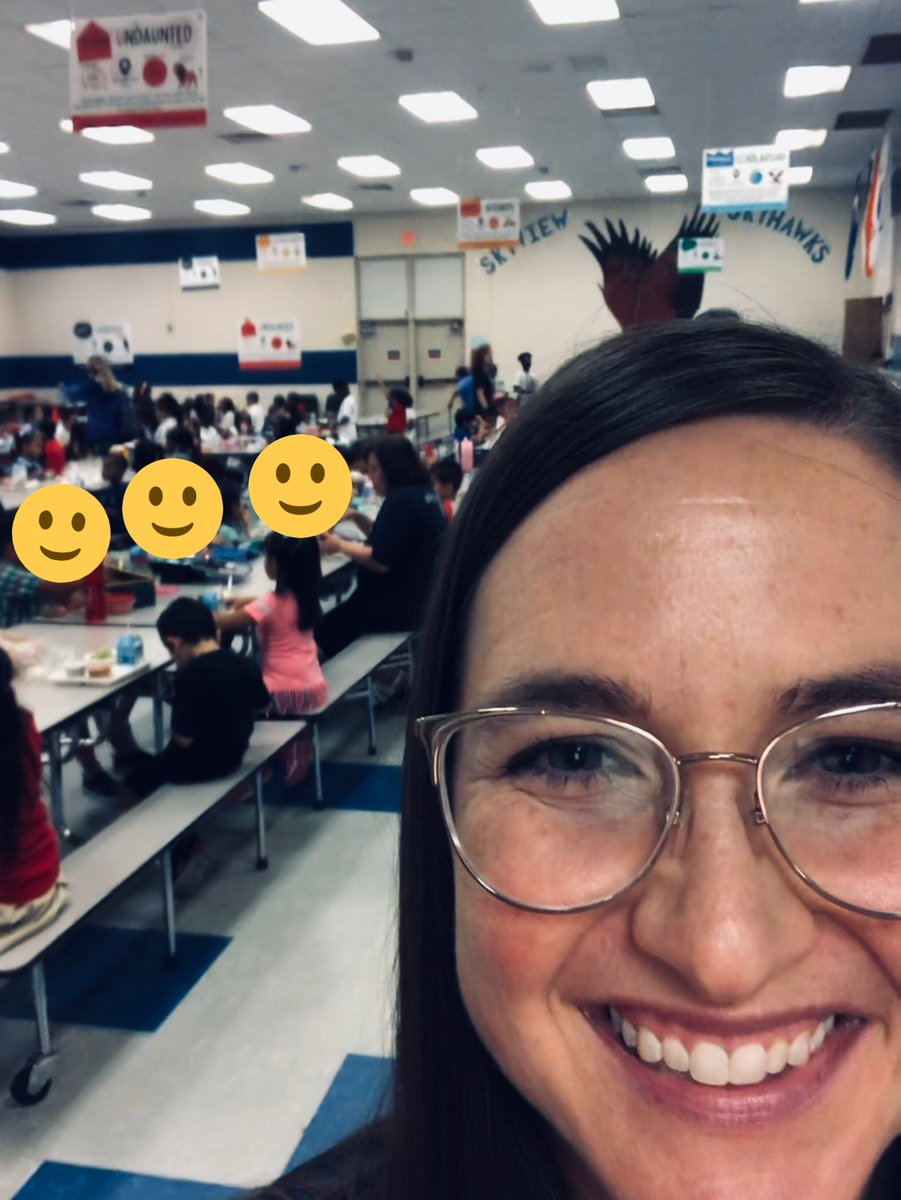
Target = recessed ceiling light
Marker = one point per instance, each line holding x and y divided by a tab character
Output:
320	22
329	200
549	189
799	175
611	94
575	12
369	166
267	118
435	107
503	158
66	125
10	190
117	135
26	216
434	197
800	139
815	81
117	181
4	147
222	208
121	212
58	33
239	172
649	147
671	182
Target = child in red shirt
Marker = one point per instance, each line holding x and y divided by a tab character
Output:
54	453
31	892
447	476
399	400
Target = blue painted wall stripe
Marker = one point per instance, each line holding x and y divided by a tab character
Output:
331	239
182	370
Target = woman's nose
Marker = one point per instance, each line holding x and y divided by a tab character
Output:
720	906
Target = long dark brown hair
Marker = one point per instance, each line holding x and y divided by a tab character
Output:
13	748
454	1127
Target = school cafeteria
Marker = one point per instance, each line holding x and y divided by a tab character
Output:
450	557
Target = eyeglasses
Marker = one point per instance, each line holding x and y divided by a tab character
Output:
556	812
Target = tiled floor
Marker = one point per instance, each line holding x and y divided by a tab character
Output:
209	1079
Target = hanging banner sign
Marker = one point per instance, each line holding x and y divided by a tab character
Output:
111	339
281	251
148	71
269	344
746	177
698	256
488	224
198	274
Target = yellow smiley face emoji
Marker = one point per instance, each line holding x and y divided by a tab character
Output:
172	508
300	486
61	533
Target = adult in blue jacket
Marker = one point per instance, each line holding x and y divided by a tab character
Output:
104	398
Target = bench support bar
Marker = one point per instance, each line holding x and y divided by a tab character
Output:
41	1018
168	905
370	700
317	766
262	857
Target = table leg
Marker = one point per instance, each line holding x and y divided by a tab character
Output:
56	784
158	733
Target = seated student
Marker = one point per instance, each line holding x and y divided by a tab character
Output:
356	457
180	443
31	891
216	699
447	475
244	424
21	593
54	459
207	433
235	525
168	414
30	454
144	453
255	410
225	413
526	383
112	494
285	619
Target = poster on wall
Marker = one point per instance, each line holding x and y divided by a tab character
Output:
269	344
488	224
745	177
111	339
700	256
198	274
149	71
281	252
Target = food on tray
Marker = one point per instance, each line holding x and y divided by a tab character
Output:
99	668
101	655
75	670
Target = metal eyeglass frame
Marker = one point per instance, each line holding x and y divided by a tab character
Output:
436	731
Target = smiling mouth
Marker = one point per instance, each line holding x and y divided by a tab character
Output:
172	532
300	510
60	555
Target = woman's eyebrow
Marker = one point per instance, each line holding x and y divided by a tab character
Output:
869	684
577	692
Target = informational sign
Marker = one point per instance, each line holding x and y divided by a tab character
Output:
699	255
149	71
281	251
745	177
269	343
111	339
487	224
198	274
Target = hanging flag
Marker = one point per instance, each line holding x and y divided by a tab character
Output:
857	203
877	205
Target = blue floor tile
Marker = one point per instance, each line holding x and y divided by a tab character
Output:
356	1096
60	1181
116	978
360	786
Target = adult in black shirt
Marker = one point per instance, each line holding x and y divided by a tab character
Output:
216	698
397	558
482	369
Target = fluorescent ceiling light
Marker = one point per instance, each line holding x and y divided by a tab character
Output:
239	172
10	190
117	135
799	175
815	81
434	197
66	125
4	148
369	166
649	147
549	189
671	182
222	208
438	106
575	12
611	94
117	181
320	22
58	33
800	139
814	1
328	200
503	158
121	212
26	216
267	118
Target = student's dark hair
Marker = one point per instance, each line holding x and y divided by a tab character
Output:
48	429
7	516
458	1129
299	571
400	463
232	489
356	452
28	435
188	619
13	748
226	405
461	373
477	358
521	358
401	395
169	405
340	387
145	452
180	440
253	397
448	471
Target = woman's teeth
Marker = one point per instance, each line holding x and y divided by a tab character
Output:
712	1064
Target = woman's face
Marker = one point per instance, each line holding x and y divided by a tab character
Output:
711	569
